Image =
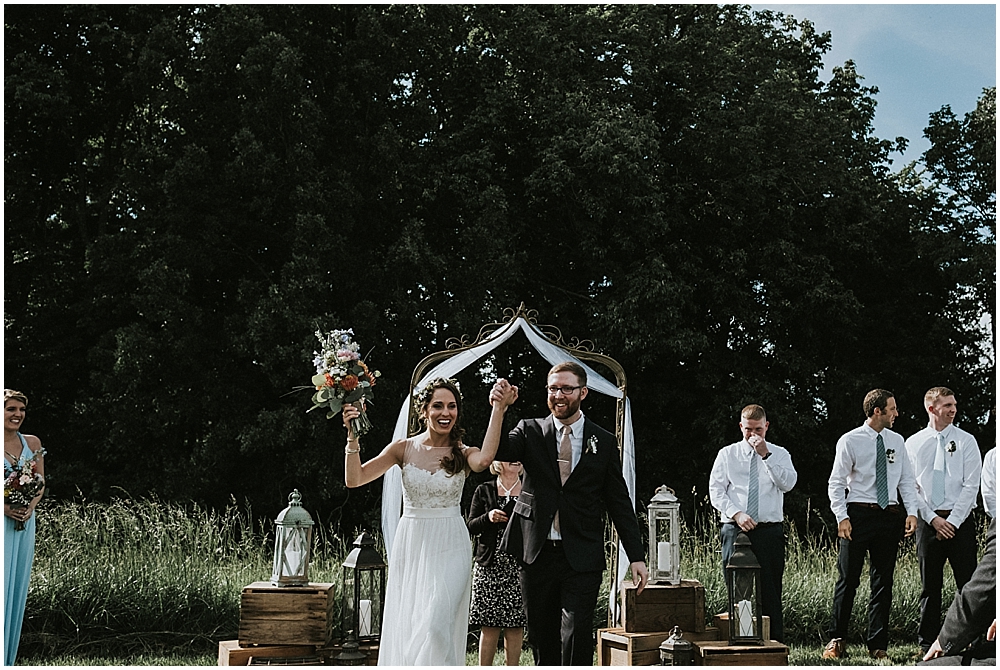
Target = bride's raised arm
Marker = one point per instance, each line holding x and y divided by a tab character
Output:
503	396
357	473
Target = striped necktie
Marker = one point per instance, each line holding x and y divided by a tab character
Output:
881	480
753	489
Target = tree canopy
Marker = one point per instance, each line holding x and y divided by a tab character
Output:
191	192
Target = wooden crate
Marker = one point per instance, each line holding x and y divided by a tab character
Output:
617	647
720	653
721	621
660	607
231	653
289	615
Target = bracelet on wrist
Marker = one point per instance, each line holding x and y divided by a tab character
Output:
348	450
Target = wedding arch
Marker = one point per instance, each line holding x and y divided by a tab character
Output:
548	342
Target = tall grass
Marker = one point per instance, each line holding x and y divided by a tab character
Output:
145	578
810	577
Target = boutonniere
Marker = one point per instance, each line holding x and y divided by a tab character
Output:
952	447
890	455
592	444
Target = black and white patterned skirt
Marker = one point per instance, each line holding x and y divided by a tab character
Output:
496	593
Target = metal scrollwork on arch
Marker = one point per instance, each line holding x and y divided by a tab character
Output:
581	349
551	333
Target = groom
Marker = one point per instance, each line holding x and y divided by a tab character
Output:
572	476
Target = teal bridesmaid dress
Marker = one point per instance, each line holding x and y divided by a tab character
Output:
18	552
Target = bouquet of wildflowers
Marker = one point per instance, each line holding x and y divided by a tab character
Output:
342	377
23	483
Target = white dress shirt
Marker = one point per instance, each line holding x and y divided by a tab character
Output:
728	484
576	442
962	469
854	471
989	485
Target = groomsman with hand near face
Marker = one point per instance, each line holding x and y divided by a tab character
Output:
747	485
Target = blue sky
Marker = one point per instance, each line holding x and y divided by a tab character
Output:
920	56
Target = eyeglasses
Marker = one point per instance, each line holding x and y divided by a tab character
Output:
565	390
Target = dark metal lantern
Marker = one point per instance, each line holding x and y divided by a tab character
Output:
364	591
746	622
292	544
675	650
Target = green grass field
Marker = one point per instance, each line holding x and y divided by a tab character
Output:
141	582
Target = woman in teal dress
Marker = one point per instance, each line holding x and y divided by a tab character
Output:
18	545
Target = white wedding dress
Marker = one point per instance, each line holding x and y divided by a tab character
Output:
429	585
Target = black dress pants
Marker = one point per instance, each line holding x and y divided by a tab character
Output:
768	544
559	603
932	553
875	532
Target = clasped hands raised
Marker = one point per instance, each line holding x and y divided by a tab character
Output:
503	393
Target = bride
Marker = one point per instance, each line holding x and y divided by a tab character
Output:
426	613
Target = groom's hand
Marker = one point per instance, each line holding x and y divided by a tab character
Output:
640	577
503	393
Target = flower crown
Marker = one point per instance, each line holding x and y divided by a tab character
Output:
424	394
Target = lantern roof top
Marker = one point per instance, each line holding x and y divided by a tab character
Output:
664	494
364	554
743	556
294	514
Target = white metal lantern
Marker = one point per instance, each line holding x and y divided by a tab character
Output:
292	544
664	537
364	591
746	622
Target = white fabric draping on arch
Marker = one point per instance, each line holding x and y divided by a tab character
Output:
392	486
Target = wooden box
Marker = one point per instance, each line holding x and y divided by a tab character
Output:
660	607
720	653
721	621
289	615
616	647
231	653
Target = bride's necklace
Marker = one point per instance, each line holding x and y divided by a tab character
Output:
506	491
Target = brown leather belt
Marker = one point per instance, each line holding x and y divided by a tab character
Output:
943	512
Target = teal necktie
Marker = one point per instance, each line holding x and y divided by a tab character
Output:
753	489
881	480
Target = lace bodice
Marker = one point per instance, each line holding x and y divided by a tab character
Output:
425	483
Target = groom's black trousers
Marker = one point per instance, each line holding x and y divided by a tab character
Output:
559	603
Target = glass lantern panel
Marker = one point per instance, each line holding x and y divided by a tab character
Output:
744	603
294	552
370	602
348	600
664	541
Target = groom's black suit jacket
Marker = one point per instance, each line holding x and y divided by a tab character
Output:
594	487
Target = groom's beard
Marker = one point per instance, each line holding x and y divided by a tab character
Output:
569	409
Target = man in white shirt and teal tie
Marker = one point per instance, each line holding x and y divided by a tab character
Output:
947	466
871	473
747	485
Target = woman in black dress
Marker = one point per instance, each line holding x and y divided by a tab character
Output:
496	590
